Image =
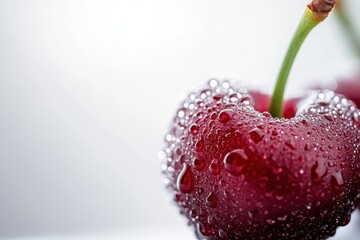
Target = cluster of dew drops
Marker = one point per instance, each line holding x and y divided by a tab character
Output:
325	103
335	106
193	106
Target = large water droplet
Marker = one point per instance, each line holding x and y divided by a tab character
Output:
198	164
203	230
194	129
225	115
214	167
319	170
185	180
256	134
199	145
337	180
235	161
211	200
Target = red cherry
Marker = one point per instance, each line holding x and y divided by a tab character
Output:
350	88
243	174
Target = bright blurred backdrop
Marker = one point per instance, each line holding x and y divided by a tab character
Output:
88	88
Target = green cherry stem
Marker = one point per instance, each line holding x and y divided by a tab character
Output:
348	27
315	13
306	25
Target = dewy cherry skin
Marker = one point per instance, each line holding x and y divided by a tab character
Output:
237	171
349	87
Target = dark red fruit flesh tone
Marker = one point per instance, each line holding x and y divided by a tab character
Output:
239	173
350	88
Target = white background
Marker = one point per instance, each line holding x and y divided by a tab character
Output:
88	88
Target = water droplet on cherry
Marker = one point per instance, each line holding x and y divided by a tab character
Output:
218	97
256	134
193	215
185	180
266	114
235	97
319	170
337	180
211	200
213	83
225	115
214	167
194	129
329	117
199	145
305	122
235	161
198	164
181	112
203	230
